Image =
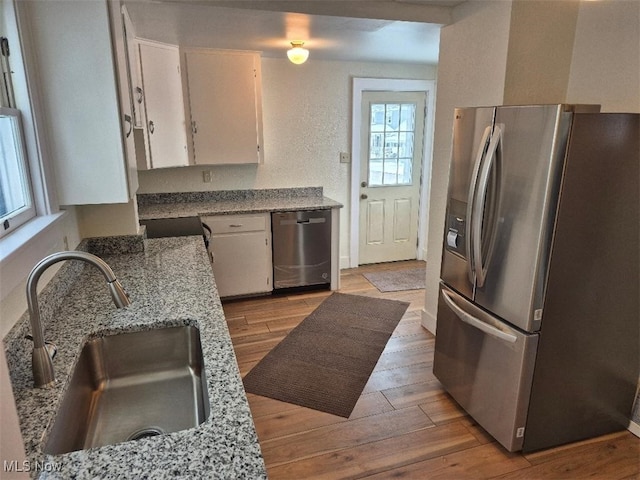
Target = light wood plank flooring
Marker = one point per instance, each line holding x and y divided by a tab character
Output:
404	425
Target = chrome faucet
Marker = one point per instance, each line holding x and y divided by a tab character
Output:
43	375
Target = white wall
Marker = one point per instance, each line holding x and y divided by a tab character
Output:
306	117
471	72
540	48
605	67
60	236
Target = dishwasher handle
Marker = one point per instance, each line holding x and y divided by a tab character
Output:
308	221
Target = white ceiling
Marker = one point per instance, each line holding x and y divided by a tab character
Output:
204	23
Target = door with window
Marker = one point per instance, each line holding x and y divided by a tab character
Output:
390	173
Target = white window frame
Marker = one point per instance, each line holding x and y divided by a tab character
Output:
21	249
18	180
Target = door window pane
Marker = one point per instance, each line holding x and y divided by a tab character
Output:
407	117
405	166
405	144
393	116
390	172
391	145
375	172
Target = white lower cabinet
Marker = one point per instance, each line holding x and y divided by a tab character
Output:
241	249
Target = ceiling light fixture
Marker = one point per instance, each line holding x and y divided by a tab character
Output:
297	54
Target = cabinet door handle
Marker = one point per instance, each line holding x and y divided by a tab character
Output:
235	225
127	118
194	127
151	127
140	94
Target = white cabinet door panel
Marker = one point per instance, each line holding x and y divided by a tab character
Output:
164	105
79	98
242	258
224	100
240	266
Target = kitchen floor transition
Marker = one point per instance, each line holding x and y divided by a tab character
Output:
404	424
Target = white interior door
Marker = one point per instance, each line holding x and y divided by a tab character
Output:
390	170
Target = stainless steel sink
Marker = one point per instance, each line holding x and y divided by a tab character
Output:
130	386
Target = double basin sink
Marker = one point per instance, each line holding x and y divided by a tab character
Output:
131	386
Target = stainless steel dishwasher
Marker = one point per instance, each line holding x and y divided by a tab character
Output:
301	248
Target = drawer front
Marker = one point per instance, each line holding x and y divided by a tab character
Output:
236	223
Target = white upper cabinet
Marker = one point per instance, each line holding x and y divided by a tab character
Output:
87	121
132	69
164	108
225	103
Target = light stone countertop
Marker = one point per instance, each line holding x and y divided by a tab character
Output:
232	202
170	284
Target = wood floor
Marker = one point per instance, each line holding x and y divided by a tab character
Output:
404	425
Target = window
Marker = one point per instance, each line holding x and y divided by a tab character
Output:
16	200
391	134
16	203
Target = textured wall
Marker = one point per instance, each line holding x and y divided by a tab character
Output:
306	117
605	68
471	72
540	49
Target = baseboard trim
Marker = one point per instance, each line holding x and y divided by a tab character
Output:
634	428
428	321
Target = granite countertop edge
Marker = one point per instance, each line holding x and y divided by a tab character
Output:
240	206
171	284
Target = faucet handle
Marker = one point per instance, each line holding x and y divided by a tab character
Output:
51	347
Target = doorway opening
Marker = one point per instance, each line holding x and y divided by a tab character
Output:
369	207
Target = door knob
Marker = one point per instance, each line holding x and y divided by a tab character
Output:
364	196
363	184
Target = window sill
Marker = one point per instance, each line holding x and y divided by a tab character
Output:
23	248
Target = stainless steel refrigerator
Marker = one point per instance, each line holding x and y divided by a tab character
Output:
538	323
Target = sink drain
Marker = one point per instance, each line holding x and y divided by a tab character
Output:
146	433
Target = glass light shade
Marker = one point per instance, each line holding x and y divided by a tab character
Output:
297	54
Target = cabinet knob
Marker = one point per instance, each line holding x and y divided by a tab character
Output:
194	127
364	196
151	127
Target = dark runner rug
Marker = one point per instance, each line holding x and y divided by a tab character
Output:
325	362
397	280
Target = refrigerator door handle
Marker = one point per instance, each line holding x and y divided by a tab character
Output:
482	148
476	323
480	262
